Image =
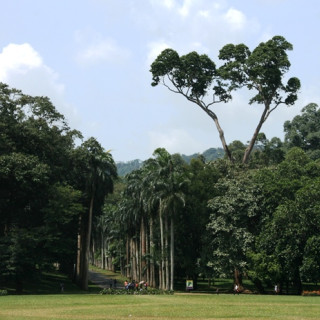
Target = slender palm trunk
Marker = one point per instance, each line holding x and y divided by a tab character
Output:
84	283
92	254
79	253
147	261
166	233
152	268
127	257
137	256
133	260
171	253
143	249
103	258
161	264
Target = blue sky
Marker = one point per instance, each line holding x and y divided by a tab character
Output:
92	59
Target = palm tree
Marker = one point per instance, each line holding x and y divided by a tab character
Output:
171	180
100	171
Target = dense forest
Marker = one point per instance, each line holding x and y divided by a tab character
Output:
50	190
171	219
167	220
243	211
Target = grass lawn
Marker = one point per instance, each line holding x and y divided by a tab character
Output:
178	306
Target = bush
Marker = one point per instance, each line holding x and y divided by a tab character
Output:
3	292
311	293
149	291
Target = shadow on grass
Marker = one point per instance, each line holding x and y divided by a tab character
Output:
50	283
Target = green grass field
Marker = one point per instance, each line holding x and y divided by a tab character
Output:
179	306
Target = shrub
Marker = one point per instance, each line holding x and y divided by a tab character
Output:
149	291
311	293
3	292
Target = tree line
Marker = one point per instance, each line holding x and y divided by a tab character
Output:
49	190
254	213
227	217
172	220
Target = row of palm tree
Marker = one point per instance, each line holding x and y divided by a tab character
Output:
145	220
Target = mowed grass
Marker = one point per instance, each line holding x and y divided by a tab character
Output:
178	306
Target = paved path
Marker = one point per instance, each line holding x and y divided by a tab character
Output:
102	281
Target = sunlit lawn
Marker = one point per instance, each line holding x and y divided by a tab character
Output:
178	306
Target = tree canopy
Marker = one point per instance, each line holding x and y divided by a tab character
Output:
42	191
197	78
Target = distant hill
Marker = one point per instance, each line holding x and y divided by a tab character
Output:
209	155
127	167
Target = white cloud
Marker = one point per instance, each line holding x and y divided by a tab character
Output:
199	47
212	24
18	58
22	67
235	18
169	4
104	50
204	13
185	9
154	49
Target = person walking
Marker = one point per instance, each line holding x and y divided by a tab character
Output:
236	289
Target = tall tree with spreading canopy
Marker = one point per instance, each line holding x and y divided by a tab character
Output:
196	78
192	76
261	70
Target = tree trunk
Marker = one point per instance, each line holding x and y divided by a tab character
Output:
147	261
128	257
166	252
172	253
161	264
84	282
214	117
238	278
81	246
92	252
254	137
137	256
133	261
79	254
297	282
143	250
103	262
152	267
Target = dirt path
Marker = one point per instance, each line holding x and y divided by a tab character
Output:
102	281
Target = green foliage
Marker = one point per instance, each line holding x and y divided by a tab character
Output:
304	131
192	72
211	154
261	70
310	268
234	221
283	247
41	198
3	292
143	292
